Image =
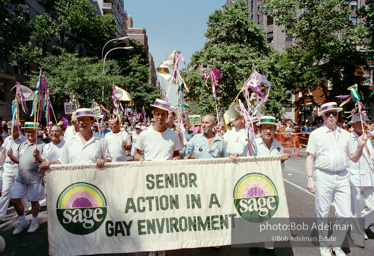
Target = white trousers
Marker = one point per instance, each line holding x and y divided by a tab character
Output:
363	203
9	177
331	187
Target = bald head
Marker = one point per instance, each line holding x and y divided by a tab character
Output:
207	124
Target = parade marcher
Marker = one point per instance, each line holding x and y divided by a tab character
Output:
85	146
118	141
236	139
328	153
362	176
29	178
159	142
206	144
53	150
73	129
10	167
134	136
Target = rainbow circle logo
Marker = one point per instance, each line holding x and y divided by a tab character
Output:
81	208
256	197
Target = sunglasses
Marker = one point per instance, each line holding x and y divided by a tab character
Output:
327	114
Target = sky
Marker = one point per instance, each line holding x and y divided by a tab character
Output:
172	25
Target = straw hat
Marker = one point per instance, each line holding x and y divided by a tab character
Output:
356	118
31	126
268	120
328	107
80	112
161	104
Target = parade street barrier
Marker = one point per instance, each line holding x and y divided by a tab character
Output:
160	205
292	142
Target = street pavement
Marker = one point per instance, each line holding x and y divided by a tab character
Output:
300	204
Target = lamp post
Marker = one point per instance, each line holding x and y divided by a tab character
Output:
116	48
124	38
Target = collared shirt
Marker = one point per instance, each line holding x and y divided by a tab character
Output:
331	153
69	132
52	152
236	142
28	166
9	164
200	147
361	173
75	152
276	148
114	142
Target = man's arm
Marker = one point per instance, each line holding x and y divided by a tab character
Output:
309	172
361	143
2	155
138	155
176	155
12	157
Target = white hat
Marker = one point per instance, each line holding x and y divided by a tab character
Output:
329	106
161	104
357	118
84	112
268	120
31	125
137	127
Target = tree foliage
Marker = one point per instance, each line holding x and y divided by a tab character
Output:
237	47
326	43
14	31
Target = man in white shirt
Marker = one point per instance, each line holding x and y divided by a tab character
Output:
134	136
118	141
328	153
73	129
10	167
362	176
159	142
236	139
84	147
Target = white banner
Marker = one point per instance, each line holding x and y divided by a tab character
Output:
153	206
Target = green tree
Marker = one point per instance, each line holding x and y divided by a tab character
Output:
72	25
237	47
13	28
325	44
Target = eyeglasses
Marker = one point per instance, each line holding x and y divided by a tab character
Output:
327	114
268	128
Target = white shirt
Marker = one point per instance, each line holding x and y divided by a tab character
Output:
158	145
9	164
361	173
330	153
75	152
114	142
236	142
69	132
276	148
52	152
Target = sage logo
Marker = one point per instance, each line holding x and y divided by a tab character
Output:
81	208
255	197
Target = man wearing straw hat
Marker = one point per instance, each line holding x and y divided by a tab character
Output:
268	146
362	176
328	153
29	178
73	129
159	142
85	146
10	167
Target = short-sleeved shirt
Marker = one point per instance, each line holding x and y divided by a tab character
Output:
69	132
276	148
114	142
9	165
28	166
200	147
52	152
158	145
236	141
331	154
75	152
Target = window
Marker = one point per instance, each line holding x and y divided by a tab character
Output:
270	20
270	37
354	21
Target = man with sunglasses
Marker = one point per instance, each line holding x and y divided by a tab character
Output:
328	153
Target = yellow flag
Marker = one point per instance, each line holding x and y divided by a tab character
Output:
122	95
163	68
